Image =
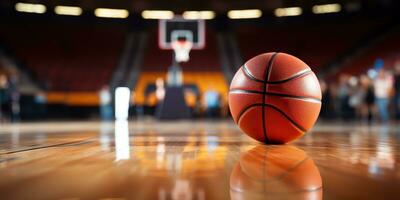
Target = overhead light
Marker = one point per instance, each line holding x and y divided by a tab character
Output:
244	14
205	14
290	11
30	8
157	14
68	10
326	8
111	13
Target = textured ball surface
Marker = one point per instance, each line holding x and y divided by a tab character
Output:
275	98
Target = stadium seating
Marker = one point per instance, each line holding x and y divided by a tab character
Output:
67	57
387	49
317	44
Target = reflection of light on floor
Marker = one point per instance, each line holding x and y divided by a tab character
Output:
356	138
174	162
121	140
162	194
212	143
160	152
15	136
373	167
384	158
181	190
40	138
105	135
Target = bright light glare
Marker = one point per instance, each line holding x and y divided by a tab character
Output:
290	11
122	95
327	8
205	14
68	10
244	14
157	14
111	13
30	8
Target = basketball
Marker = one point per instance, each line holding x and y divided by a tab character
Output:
282	172
275	98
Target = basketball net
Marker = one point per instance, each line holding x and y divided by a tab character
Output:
181	49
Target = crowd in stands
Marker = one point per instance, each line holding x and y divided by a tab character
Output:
368	97
9	98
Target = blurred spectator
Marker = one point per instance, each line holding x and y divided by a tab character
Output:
326	100
378	64
382	88
335	105
15	97
132	104
40	101
106	111
160	90
212	102
397	89
357	95
367	104
343	94
3	96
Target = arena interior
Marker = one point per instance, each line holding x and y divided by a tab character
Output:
129	99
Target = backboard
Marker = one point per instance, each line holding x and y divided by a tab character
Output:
171	30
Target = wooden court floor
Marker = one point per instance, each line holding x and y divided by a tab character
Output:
147	159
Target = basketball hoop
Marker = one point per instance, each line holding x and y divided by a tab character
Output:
181	49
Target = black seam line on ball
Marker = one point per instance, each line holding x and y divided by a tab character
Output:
249	75
297	75
263	105
286	116
266	78
240	91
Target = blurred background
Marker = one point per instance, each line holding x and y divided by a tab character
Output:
63	60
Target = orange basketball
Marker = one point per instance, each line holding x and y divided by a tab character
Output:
275	98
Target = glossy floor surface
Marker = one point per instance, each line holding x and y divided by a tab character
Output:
195	160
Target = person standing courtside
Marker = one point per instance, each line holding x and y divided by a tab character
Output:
3	96
343	95
367	105
397	89
14	98
106	111
382	88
